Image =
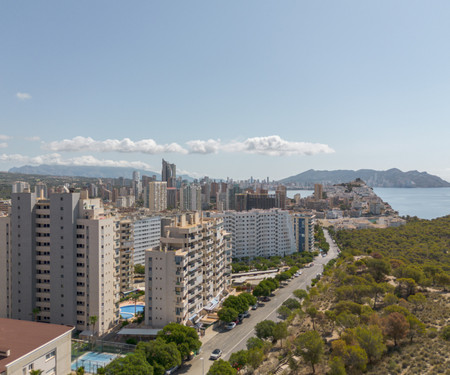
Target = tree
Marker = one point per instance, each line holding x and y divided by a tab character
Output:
371	340
406	286
264	329
395	326
310	346
139	269
239	359
390	299
347	320
378	268
80	370
160	354
221	367
280	332
443	280
353	356
416	327
251	300
292	304
92	322
36	372
227	314
300	294
418	300
132	364
36	311
135	297
312	313
186	338
337	366
255	342
261	290
255	357
284	312
236	303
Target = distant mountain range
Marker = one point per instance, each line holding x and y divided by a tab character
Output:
393	178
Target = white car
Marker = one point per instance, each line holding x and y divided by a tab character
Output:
215	354
230	325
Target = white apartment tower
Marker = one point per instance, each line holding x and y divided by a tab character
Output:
147	232
188	272
61	260
261	233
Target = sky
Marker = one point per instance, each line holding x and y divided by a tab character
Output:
233	89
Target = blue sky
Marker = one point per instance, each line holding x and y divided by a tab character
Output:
232	88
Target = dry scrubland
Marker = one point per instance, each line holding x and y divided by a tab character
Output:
382	308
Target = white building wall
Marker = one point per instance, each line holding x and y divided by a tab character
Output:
147	233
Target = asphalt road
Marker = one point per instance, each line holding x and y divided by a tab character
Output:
236	339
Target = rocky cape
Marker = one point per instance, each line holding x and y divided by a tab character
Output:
392	178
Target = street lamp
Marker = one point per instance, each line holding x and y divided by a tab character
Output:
203	366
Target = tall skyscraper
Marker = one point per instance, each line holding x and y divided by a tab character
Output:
169	173
318	191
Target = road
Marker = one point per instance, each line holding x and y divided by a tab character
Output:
236	339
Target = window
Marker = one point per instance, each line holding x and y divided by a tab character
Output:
50	355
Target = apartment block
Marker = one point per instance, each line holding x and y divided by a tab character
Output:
147	232
188	271
304	231
5	263
262	233
62	258
155	197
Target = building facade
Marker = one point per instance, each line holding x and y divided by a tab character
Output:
189	271
61	261
155	197
262	233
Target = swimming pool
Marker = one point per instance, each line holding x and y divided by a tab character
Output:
92	361
127	312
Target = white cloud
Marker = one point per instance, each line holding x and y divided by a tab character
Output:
3	145
33	139
274	145
85	160
126	145
210	146
4	137
23	96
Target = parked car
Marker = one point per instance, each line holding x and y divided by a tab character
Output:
172	370
265	299
246	314
216	353
230	325
255	306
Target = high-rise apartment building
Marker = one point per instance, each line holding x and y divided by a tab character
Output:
5	266
191	197
147	233
189	271
169	173
20	187
155	197
61	260
262	233
304	231
318	191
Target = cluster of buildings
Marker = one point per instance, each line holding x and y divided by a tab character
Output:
67	255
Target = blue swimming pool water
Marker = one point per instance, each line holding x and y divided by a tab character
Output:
127	312
92	361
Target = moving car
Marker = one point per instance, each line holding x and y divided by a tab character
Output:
230	325
215	354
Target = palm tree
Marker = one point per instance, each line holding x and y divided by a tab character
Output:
92	321
35	312
36	372
135	298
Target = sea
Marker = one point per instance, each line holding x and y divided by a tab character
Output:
425	203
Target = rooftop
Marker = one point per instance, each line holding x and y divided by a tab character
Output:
21	337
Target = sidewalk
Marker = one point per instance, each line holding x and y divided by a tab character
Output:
209	334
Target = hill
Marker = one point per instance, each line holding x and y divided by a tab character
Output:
80	171
390	178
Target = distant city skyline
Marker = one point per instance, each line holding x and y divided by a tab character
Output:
235	90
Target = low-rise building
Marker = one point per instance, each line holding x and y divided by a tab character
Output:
26	346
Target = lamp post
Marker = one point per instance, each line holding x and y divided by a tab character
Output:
203	366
